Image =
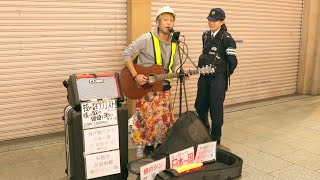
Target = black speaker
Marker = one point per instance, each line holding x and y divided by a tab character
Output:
93	86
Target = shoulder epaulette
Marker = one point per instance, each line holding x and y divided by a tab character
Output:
227	34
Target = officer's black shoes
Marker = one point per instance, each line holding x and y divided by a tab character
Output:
218	139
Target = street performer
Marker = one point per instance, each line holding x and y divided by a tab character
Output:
154	111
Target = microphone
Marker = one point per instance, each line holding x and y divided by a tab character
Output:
175	35
171	30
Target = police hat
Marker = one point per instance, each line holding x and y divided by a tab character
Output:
216	14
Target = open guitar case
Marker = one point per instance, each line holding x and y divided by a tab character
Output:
189	131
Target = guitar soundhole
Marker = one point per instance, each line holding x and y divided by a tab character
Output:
152	79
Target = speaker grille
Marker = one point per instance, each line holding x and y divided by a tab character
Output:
97	88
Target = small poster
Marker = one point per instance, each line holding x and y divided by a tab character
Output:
182	158
206	152
150	170
99	113
102	164
101	139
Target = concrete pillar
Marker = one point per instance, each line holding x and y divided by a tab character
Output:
309	65
316	84
139	22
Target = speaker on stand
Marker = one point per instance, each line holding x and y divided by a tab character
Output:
95	89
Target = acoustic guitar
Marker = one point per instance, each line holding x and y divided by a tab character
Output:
155	74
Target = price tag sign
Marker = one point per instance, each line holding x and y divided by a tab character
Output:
99	113
206	152
150	170
182	158
101	139
102	164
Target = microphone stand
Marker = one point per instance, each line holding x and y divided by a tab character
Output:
175	38
187	56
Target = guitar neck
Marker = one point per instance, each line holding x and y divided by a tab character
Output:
173	75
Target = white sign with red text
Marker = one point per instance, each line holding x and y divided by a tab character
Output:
181	158
206	152
150	170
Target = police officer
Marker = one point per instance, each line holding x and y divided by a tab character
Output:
219	51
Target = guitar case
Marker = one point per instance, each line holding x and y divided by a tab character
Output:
189	131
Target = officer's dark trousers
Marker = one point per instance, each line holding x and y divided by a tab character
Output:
211	95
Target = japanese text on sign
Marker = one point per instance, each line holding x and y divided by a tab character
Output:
150	170
102	164
181	158
99	113
206	152
101	139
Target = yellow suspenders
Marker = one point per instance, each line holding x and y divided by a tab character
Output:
157	53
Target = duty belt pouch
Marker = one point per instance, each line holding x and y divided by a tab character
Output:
202	60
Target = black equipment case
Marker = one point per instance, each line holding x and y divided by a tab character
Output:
189	131
74	144
87	87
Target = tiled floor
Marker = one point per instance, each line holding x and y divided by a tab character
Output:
277	139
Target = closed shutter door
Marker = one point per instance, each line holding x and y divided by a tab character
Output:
41	44
268	39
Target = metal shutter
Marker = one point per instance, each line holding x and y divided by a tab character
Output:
42	42
269	31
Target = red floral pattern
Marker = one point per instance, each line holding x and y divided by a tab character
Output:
152	119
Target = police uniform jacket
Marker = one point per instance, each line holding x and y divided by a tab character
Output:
219	52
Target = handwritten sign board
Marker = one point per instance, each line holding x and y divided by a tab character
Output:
101	139
150	170
206	152
99	113
182	158
102	164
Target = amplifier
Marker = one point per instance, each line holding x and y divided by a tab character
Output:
93	86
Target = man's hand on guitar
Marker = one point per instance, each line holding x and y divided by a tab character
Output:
187	75
141	79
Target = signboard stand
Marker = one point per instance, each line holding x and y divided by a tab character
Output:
101	138
97	137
